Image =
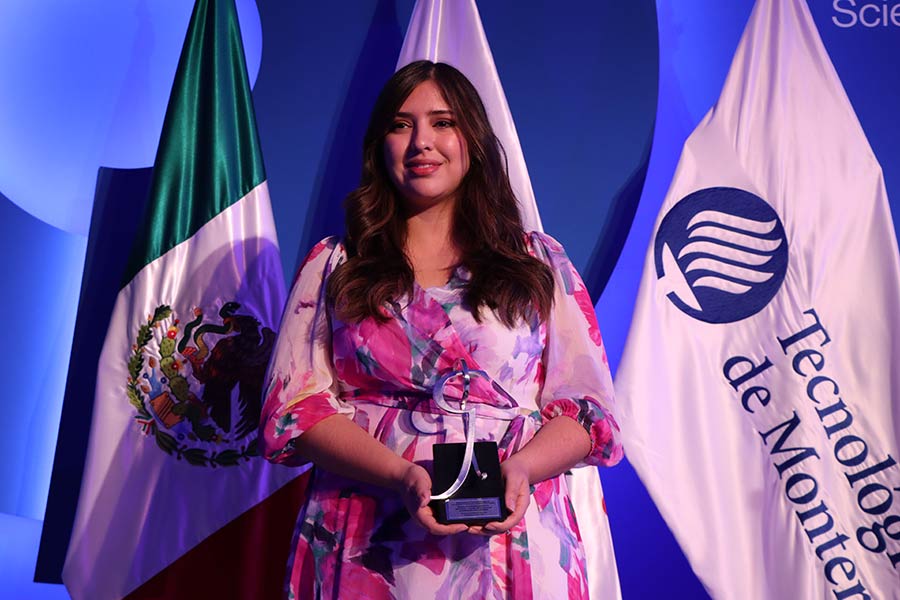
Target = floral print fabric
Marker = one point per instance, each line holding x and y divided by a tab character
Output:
357	541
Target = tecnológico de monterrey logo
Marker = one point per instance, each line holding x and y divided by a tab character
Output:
721	254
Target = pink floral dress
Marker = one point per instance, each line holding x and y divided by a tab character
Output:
357	541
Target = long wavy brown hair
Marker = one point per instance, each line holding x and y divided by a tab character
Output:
487	228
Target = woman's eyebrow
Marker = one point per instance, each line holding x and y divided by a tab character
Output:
443	111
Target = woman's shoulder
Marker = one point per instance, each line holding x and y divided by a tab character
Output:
543	246
331	244
323	257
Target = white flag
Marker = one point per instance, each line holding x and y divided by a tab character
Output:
450	31
759	388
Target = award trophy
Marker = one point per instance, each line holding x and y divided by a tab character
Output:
469	472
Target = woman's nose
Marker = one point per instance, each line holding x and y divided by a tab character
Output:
423	138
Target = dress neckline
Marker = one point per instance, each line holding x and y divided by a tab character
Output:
458	278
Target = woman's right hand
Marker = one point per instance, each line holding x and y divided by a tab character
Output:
415	489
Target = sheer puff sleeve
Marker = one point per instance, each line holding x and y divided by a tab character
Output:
577	381
301	389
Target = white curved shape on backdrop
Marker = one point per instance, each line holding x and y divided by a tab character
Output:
86	85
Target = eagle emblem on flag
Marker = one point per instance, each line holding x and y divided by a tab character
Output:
197	385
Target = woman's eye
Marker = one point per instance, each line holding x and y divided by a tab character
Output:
399	125
443	123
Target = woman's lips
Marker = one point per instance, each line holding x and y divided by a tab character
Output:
421	169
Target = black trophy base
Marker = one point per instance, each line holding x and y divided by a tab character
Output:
478	501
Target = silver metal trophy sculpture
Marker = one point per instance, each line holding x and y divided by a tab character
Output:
469	472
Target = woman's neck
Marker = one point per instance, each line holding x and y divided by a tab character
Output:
430	246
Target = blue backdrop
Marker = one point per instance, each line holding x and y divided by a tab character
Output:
581	80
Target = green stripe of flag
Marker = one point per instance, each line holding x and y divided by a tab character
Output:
209	155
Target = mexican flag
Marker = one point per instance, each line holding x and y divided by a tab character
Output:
172	457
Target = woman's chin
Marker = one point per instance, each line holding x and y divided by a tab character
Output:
417	201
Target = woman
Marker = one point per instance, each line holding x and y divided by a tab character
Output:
435	269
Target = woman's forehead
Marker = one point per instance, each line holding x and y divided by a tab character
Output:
426	97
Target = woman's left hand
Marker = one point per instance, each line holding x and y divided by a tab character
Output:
518	495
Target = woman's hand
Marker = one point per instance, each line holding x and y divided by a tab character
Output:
558	445
517	496
415	489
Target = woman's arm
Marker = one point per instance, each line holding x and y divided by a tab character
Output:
577	396
556	447
304	419
339	445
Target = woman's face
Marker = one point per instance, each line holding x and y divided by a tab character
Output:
424	151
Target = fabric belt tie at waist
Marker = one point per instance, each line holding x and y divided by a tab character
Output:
423	402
